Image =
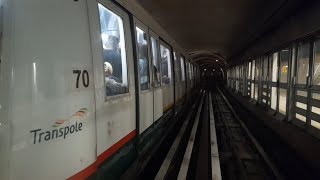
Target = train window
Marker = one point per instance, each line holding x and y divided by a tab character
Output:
284	59
176	67
156	63
143	59
303	63
183	77
166	69
114	52
316	64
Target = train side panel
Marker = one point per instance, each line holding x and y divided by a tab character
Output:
52	113
5	72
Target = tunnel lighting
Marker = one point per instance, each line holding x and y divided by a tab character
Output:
216	60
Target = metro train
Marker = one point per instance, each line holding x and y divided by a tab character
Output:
80	80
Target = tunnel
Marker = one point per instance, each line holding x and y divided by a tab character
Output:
150	89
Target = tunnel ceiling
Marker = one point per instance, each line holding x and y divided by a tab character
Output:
218	29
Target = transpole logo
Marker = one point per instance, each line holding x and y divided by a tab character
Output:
80	114
41	136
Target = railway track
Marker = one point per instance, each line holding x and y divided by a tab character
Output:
210	143
241	156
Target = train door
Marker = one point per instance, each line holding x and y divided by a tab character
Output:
113	77
167	76
156	76
307	86
144	63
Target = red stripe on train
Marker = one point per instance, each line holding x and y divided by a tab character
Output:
102	157
105	155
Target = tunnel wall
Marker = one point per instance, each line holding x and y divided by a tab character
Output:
302	23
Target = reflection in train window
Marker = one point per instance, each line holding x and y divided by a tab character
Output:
165	65
252	78
274	94
143	60
316	64
190	71
283	101
156	63
265	69
301	117
284	59
303	63
275	67
114	53
257	74
315	124
183	77
176	67
249	71
253	69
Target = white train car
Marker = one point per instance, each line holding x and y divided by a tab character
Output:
79	79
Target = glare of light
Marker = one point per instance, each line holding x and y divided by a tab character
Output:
35	85
0	124
213	69
104	37
205	69
34	74
216	60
